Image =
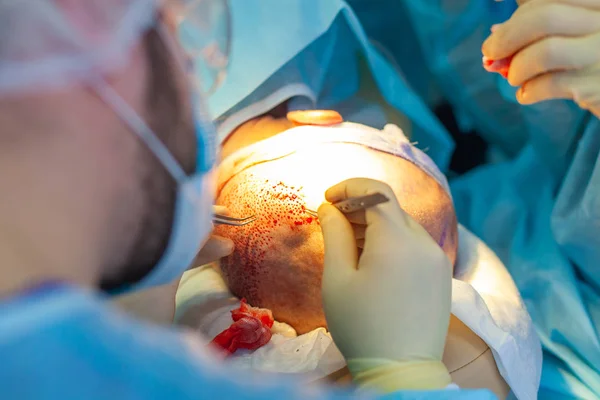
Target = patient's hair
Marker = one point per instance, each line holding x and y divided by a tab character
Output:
278	259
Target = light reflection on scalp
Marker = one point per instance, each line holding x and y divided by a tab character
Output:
278	259
282	225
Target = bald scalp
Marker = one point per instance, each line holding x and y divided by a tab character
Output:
278	260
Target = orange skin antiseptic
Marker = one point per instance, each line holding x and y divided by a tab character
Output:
278	259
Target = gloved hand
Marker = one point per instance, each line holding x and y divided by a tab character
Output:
387	310
158	304
216	247
554	50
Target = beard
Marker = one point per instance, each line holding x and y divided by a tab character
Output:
170	119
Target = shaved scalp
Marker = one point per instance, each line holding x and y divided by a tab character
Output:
277	262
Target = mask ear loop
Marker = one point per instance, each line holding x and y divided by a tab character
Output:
131	118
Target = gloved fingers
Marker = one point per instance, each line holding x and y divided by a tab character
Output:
537	20
357	217
573	85
382	214
553	54
357	187
220	210
359	231
341	257
400	236
215	248
591	4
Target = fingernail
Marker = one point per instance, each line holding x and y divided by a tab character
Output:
494	27
521	94
484	46
493	65
225	243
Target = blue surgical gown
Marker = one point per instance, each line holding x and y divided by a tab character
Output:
537	204
59	342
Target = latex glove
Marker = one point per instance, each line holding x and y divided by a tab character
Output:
388	310
553	47
215	248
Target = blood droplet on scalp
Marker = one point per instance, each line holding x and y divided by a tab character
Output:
271	203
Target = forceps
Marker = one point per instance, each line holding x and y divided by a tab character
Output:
353	204
220	219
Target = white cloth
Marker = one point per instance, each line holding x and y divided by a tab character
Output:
484	298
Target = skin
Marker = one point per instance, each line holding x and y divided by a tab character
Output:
278	259
157	305
84	201
550	45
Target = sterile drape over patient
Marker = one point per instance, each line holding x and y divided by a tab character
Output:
537	211
278	262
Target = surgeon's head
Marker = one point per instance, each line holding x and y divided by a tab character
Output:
144	215
79	187
278	259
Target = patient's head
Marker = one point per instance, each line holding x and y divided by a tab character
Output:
278	259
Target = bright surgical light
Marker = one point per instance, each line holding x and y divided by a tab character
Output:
317	177
305	162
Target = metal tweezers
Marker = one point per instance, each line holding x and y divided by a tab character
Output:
354	204
220	219
347	206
